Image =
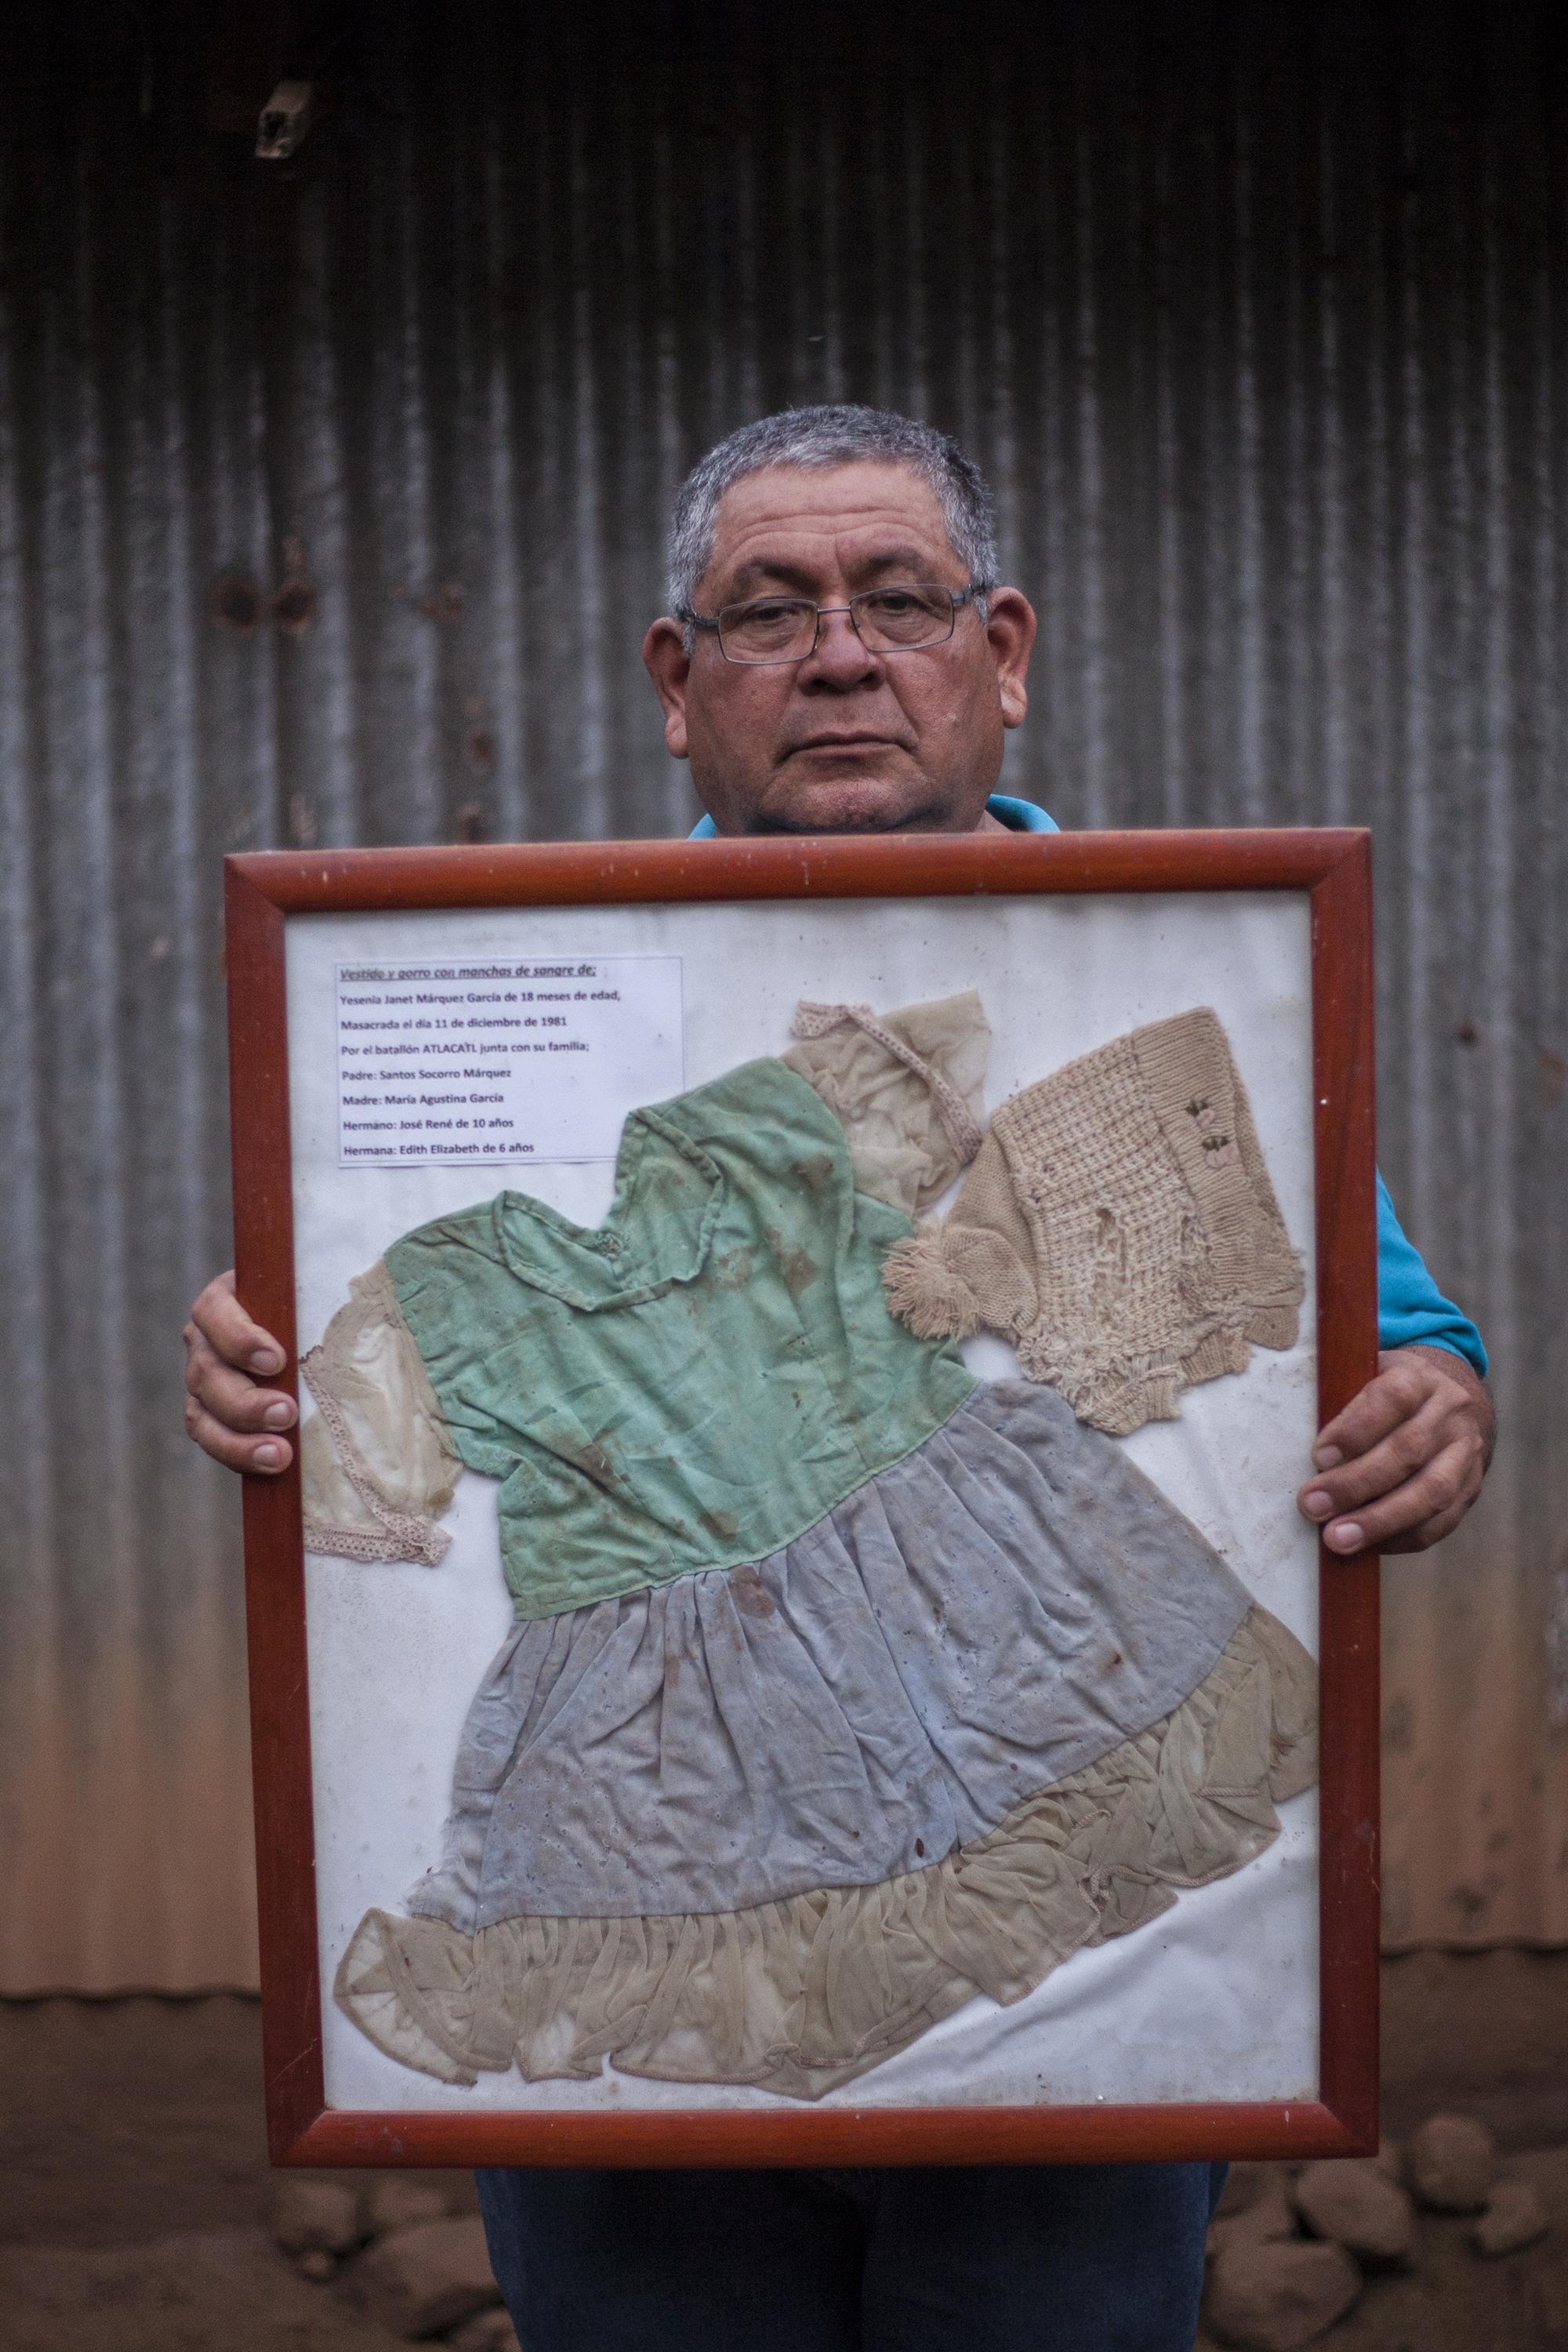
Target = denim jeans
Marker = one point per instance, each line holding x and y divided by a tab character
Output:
993	2258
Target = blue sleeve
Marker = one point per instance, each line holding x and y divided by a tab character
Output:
1411	1310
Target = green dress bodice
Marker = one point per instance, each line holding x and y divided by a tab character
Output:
692	1383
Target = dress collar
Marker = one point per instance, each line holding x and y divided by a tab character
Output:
668	1199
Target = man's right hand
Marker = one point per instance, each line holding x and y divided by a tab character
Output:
228	1411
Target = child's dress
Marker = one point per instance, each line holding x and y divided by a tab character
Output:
844	1687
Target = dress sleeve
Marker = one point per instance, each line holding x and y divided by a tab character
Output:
378	1461
908	1089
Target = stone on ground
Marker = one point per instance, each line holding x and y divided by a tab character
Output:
1350	2201
1247	2185
426	2279
1275	2295
1515	2218
316	2266
1255	2205
492	2332
393	2201
1453	2162
314	2214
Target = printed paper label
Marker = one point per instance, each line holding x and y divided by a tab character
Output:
502	1058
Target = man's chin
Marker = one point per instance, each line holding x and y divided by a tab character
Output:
848	804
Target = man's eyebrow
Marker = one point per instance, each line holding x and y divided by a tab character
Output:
899	562
763	569
903	563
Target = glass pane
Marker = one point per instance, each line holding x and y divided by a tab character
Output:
773	628
906	615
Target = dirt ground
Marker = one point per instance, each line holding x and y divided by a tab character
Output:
134	2184
134	2179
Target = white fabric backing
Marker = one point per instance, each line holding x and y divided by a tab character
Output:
1218	1998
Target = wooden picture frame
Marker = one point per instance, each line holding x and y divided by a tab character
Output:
1332	870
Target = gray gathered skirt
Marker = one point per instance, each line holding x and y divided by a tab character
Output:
766	1824
1002	1606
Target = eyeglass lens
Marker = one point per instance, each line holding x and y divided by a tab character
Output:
895	619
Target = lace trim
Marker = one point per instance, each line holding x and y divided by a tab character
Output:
803	1993
819	1020
402	1535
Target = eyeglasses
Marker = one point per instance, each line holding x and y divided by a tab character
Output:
903	618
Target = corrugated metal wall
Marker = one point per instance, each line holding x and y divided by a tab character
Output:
330	499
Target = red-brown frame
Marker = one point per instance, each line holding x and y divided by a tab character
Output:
1335	867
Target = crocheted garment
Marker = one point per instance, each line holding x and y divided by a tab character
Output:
1120	1226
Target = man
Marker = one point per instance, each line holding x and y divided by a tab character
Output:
776	535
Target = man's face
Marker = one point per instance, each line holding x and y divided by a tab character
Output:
849	739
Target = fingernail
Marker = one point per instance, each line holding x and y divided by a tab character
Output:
266	1360
267	1457
1317	1505
1346	1537
1328	1457
277	1416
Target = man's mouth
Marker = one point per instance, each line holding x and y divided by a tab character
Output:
846	743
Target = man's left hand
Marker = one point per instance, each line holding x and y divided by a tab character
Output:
1399	1467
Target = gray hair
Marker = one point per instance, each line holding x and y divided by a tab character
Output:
830	435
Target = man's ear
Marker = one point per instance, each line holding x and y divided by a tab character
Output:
669	665
1010	629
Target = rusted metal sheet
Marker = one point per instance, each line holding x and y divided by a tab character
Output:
330	500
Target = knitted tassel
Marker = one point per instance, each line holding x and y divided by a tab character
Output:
926	1291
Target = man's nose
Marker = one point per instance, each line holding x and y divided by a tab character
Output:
839	657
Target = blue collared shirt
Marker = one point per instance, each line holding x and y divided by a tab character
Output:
1411	1310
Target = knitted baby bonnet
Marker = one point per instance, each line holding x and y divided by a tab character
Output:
907	1086
1119	1224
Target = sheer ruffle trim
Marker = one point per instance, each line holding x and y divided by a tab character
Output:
375	1491
802	1995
